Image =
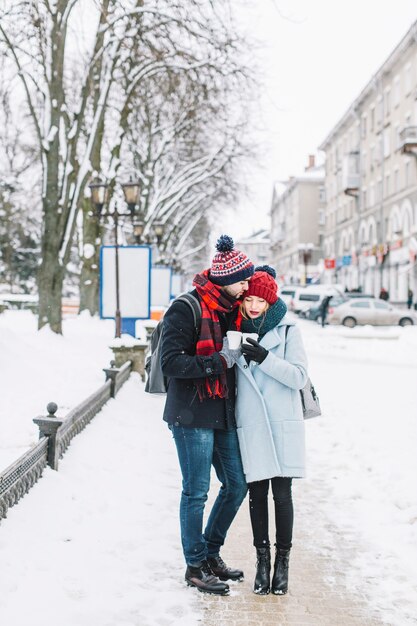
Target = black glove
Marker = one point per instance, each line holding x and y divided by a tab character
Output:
254	351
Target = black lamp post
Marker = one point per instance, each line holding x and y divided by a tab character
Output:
99	199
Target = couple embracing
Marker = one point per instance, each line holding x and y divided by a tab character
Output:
238	410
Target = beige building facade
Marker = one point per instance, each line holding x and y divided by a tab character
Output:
370	220
297	220
256	246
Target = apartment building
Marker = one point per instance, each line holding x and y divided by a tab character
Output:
370	225
256	246
297	220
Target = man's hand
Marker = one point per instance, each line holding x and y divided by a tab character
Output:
230	356
254	351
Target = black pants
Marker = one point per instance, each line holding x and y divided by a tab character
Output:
284	512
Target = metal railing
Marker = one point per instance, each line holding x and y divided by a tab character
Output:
56	435
18	478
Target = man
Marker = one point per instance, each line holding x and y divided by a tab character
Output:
383	294
324	309
200	412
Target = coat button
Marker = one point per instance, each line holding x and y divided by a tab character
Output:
176	423
209	370
245	367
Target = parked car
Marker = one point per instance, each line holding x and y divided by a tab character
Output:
313	312
311	296
287	292
358	294
370	311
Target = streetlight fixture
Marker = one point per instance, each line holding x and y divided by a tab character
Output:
158	229
99	191
131	191
99	199
306	250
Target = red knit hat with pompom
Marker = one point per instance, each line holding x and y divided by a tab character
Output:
263	284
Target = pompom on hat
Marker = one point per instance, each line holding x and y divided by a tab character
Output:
263	284
229	265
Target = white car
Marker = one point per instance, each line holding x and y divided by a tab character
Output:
310	296
287	292
371	311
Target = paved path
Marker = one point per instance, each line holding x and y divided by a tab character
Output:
321	562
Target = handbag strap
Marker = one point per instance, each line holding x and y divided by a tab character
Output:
286	334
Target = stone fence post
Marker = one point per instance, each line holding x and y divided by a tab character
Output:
130	349
48	427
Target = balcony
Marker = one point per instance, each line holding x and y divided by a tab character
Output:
408	140
350	174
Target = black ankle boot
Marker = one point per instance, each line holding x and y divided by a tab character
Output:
280	576
222	571
263	571
201	577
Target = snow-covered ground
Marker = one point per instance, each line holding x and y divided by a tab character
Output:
362	452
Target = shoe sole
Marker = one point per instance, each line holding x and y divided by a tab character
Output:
212	593
259	592
235	580
280	593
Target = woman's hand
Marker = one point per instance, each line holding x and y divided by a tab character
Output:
254	351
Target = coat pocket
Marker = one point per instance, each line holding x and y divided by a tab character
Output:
293	444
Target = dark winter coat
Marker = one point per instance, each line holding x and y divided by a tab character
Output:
181	365
324	305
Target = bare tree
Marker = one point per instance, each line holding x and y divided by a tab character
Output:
78	89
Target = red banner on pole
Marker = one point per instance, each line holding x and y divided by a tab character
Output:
329	264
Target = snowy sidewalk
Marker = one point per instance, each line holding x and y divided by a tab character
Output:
321	561
97	543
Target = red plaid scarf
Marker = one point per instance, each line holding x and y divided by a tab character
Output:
213	300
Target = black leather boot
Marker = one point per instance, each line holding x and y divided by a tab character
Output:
263	571
280	576
220	569
202	578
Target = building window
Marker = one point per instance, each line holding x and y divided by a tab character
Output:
322	195
407	173
372	116
396	180
372	195
363	162
397	136
372	157
364	199
363	126
397	91
387	102
379	110
387	184
386	140
407	79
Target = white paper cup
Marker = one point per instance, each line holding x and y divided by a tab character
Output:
234	338
251	335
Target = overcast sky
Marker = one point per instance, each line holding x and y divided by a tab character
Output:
318	56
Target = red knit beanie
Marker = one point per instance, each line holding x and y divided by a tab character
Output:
263	285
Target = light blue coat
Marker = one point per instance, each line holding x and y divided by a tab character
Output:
269	415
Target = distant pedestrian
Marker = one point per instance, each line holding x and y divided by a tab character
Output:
383	294
324	309
409	298
270	422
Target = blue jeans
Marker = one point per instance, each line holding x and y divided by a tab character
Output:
198	449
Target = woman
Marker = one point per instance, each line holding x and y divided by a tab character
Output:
270	422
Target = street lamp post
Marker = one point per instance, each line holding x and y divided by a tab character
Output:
99	199
306	250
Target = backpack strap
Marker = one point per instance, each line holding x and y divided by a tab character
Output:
195	307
